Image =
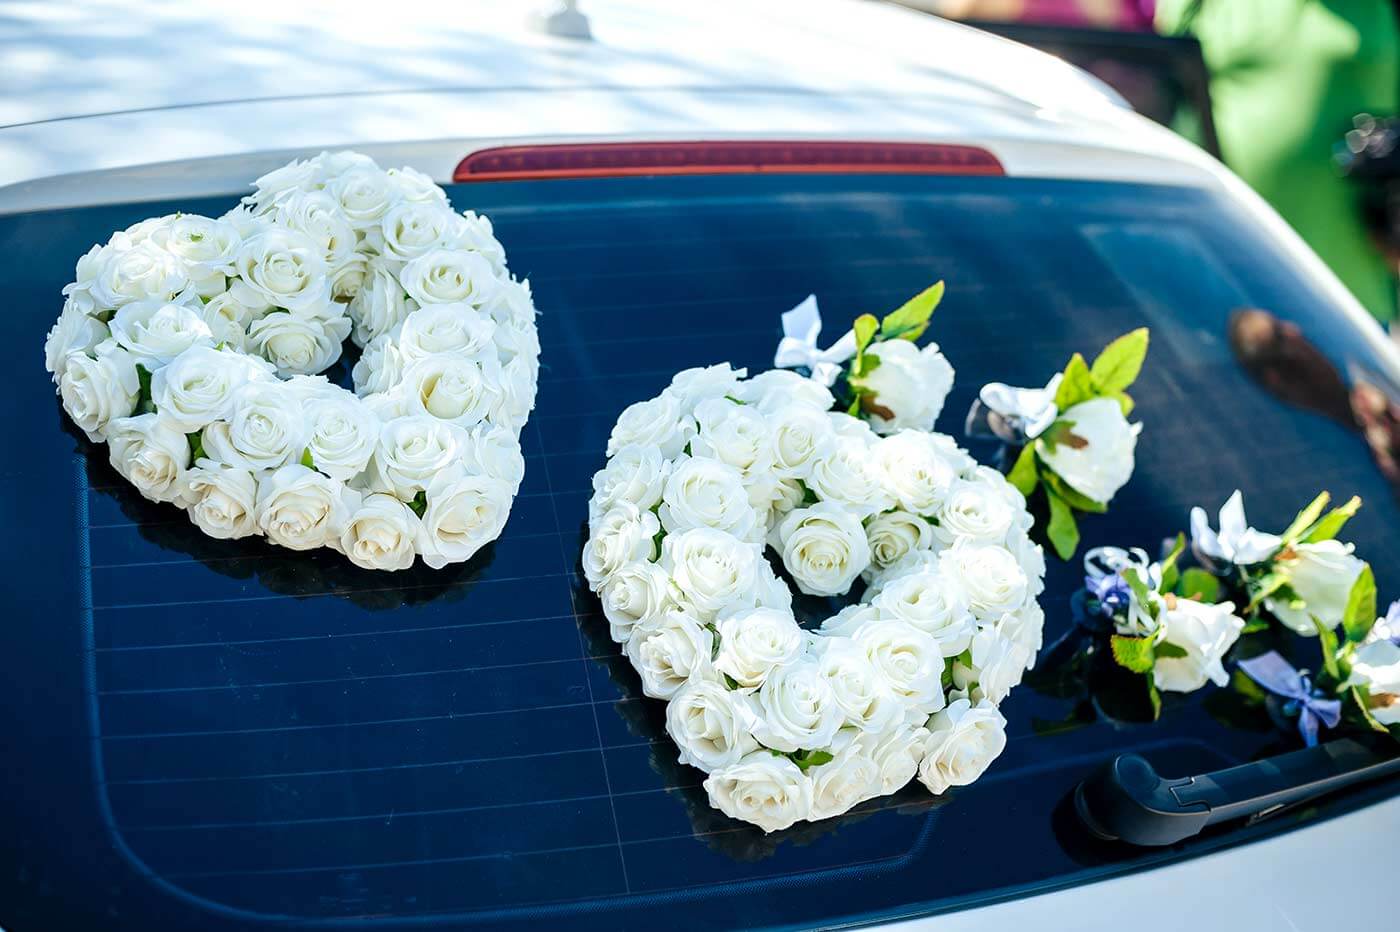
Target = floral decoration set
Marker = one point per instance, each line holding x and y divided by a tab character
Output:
192	347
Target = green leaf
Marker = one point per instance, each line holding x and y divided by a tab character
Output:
732	683
1023	474
910	319
1331	524
419	503
1252	692
1361	703
144	403
1154	697
1169	571
864	327
1139	587
1076	386
1134	653
1061	528
1306	518
1196	583
1263	587
306	459
1125	401
1327	641
1075	499
805	759
196	440
1360	613
1170	651
1118	365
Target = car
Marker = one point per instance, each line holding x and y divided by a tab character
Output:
217	735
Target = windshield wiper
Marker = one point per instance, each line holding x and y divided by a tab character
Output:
1127	800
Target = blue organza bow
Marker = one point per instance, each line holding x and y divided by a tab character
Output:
1279	677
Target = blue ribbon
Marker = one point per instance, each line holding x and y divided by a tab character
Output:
1279	677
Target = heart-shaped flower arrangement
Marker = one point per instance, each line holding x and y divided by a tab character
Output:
793	724
189	345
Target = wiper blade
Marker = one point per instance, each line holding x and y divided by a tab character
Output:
1127	800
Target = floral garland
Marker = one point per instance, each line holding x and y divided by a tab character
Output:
792	724
188	344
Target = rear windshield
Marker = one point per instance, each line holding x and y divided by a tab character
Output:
224	733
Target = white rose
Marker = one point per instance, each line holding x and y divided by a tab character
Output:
963	741
852	428
316	214
712	726
1321	575
933	602
449	276
1026	627
494	451
896	753
800	436
785	495
623	535
514	397
78	293
363	195
797	709
301	509
155	332
824	548
206	246
894	535
265	430
413	185
752	643
917	561
413	450
633	593
635	474
1100	462
199	386
473	231
347	277
464	514
850	619
734	435
692	386
910	661
285	268
1205	633
298	345
380	534
445	328
294	176
379	368
711	569
843	782
150	453
861	690
381	304
909	384
96	391
73	332
845	473
658	422
228	321
1376	668
990	575
128	272
914	471
452	388
972	510
411	228
1031	558
707	493
669	651
221	499
997	665
341	435
778	388
770	792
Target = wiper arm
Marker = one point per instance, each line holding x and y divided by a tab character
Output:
1126	800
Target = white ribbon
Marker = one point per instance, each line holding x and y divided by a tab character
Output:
801	327
1030	410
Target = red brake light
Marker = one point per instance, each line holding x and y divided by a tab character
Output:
617	159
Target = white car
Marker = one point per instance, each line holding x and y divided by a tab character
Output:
215	735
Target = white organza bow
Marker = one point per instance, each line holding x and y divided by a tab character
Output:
1028	412
801	327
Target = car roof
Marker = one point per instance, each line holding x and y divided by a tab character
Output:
186	100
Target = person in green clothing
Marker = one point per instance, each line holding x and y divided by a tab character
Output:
1287	77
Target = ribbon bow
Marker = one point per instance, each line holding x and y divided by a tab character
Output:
1103	579
1279	677
798	347
1013	415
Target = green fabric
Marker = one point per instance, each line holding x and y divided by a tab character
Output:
1287	76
